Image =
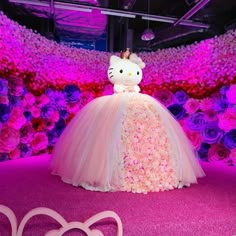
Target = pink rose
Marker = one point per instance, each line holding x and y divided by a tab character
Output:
232	156
35	111
227	120
55	116
194	137
42	100
210	115
218	152
28	100
9	139
15	154
206	104
231	94
191	106
4	99
40	142
26	133
17	118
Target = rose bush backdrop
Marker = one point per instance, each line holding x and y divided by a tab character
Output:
43	85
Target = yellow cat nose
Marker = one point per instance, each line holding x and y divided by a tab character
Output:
129	74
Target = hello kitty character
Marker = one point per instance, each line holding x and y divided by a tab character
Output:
126	72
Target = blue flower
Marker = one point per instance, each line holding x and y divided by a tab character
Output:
52	137
63	114
181	97
28	115
211	133
203	151
229	139
46	111
224	89
4	113
14	100
3	87
196	121
57	99
220	105
177	110
72	93
26	150
59	127
4	156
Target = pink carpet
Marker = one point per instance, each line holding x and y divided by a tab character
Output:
206	209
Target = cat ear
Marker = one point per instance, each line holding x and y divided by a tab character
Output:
114	59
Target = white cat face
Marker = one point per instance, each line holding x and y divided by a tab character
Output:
124	72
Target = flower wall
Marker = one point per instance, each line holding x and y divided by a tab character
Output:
43	84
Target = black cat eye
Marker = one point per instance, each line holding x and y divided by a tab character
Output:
121	71
138	73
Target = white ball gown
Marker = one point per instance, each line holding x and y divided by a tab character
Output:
125	142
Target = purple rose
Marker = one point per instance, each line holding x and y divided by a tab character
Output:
211	133
164	96
181	97
3	87
46	111
220	105
177	110
203	151
196	121
4	113
229	139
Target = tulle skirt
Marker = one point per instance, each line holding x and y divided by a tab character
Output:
125	142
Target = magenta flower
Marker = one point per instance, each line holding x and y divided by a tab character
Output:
40	142
231	94
164	96
227	120
218	152
191	106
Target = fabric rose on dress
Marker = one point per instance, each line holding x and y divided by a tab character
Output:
191	106
72	93
211	133
4	113
231	94
17	118
195	121
206	104
227	120
181	97
40	142
177	110
164	96
26	133
229	139
218	152
9	139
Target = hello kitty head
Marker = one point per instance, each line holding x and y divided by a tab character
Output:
125	71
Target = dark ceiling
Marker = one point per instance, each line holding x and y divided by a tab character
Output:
209	18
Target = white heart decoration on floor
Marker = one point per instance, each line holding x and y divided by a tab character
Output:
65	226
